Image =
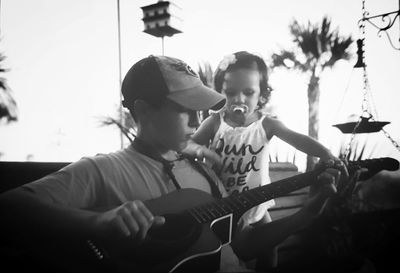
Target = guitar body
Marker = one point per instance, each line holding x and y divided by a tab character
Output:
180	245
196	227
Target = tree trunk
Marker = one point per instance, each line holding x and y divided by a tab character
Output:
313	114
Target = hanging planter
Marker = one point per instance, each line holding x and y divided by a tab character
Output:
364	126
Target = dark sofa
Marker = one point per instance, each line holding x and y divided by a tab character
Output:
14	174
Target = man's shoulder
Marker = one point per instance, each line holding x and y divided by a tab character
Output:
104	161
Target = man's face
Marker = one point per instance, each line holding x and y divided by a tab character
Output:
172	125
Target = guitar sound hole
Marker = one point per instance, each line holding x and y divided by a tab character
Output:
176	228
177	234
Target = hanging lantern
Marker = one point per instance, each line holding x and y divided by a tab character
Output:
161	19
360	53
362	126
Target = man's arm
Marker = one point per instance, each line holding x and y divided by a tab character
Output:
251	241
26	213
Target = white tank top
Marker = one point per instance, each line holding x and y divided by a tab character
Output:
245	155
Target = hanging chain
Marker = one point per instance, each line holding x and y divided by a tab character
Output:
366	106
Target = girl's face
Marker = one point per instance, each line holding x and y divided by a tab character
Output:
242	90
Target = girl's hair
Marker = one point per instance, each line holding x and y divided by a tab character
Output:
244	59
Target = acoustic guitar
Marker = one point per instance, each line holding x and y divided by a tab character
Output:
198	225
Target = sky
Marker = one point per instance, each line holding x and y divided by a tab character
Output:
64	72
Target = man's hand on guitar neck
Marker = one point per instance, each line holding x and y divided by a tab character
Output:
131	219
326	187
332	161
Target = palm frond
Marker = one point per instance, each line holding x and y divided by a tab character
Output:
339	49
206	75
8	105
205	72
126	124
306	38
287	59
316	39
125	130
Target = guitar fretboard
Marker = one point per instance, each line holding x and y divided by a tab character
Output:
237	204
240	203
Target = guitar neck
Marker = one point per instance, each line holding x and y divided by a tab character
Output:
237	204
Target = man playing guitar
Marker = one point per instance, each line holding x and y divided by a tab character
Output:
112	199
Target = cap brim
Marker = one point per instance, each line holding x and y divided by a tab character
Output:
198	98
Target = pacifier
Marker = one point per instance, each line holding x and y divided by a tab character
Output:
239	109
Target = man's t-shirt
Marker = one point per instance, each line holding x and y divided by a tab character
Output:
108	180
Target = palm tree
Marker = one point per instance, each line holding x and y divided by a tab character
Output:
126	124
317	47
8	105
206	75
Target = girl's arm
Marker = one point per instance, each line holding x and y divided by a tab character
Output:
198	146
206	132
301	142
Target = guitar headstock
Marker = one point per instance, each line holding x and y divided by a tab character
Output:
371	166
383	163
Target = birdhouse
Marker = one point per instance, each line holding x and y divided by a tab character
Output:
162	19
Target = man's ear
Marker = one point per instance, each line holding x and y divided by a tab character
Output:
141	108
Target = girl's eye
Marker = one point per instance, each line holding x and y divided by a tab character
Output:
229	93
248	92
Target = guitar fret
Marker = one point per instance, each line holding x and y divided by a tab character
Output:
231	203
213	211
195	215
209	216
263	197
244	201
249	196
236	198
219	208
200	213
267	194
225	206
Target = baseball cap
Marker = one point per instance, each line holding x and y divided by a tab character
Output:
156	78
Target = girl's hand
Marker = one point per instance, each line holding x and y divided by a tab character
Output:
130	220
334	162
202	153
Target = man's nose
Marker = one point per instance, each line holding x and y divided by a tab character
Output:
194	119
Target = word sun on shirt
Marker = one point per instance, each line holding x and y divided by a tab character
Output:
237	163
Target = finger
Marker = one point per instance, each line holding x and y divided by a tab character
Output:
342	167
213	157
158	221
144	210
336	174
200	154
329	177
122	227
329	190
143	217
153	220
130	223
